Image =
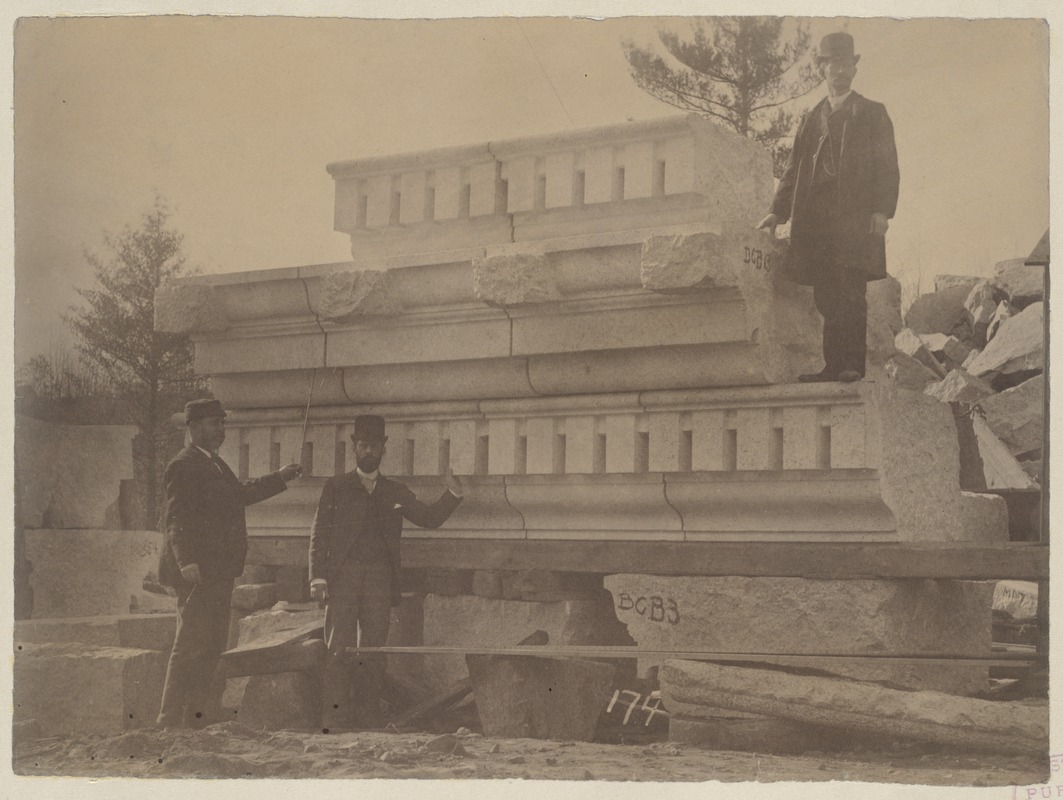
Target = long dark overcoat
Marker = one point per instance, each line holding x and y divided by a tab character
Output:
868	182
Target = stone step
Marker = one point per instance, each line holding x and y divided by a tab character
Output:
137	631
78	689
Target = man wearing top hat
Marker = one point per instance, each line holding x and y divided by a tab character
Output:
839	192
354	568
206	542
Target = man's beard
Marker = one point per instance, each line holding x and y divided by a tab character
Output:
368	463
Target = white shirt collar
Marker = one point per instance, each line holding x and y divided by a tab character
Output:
207	453
837	101
367	476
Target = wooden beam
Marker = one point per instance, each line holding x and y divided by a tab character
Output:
610	651
822	560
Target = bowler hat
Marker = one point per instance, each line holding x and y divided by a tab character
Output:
369	428
836	45
198	409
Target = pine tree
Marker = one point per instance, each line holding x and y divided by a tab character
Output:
150	371
741	71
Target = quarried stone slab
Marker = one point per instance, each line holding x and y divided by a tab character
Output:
280	625
78	689
1022	284
1016	415
981	304
1017	349
136	631
1017	599
984	517
796	615
911	344
940	312
850	705
540	698
909	372
253	596
1005	311
480	622
942	282
69	476
960	386
86	573
919	464
283	700
949	350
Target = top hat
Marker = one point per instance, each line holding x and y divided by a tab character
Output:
369	428
198	409
836	45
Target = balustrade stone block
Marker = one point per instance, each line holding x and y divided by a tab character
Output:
639	170
520	177
483	188
579	445
560	179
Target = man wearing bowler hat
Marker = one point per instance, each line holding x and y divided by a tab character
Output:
839	192
354	568
206	542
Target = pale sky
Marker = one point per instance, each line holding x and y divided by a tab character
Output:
232	121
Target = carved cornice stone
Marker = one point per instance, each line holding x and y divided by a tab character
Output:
515	279
348	295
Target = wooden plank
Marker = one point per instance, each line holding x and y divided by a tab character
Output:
824	560
608	651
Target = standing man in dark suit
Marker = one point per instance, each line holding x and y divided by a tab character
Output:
354	568
206	542
839	191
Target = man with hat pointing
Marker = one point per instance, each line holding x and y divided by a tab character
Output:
354	568
839	192
206	542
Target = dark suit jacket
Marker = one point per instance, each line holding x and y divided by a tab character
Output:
868	182
347	513
205	516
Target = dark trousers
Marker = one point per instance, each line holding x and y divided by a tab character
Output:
839	287
191	695
841	297
358	613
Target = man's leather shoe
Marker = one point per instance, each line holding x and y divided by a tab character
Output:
817	377
850	376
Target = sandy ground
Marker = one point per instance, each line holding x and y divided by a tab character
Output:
232	750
